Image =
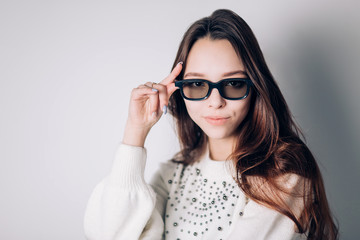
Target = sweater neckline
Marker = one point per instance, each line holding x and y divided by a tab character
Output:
216	169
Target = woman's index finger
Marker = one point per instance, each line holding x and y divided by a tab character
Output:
174	73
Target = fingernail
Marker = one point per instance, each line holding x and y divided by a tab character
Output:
180	62
164	109
153	114
154	90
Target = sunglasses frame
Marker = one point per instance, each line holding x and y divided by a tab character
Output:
212	85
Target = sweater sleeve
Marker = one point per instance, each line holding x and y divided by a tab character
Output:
122	205
258	222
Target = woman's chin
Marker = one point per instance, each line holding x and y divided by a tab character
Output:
218	135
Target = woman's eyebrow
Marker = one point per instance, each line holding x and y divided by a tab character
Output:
194	74
227	74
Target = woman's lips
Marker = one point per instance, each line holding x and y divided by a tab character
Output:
216	120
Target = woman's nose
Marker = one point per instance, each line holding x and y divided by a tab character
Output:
215	100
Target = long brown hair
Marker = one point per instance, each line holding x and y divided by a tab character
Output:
268	148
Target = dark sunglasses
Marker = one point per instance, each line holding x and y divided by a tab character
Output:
200	89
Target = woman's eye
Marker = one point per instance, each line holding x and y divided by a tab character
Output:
236	84
197	84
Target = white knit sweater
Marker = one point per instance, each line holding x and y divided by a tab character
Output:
199	201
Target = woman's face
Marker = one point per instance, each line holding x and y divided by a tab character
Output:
215	60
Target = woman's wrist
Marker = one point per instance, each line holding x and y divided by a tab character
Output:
135	135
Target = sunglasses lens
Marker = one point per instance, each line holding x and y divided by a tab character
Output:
234	88
195	89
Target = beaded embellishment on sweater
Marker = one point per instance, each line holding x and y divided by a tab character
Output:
199	207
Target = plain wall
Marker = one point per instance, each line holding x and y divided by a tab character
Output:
67	69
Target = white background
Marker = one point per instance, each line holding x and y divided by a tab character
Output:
67	69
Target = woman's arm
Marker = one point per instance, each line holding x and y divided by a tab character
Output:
122	203
122	206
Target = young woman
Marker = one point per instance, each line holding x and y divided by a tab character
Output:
242	173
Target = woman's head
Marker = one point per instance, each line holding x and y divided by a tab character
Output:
265	104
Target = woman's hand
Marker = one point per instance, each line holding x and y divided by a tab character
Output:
147	103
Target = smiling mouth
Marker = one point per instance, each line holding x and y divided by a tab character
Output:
217	120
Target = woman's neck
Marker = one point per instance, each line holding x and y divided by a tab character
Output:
220	149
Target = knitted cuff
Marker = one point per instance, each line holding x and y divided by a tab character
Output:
128	167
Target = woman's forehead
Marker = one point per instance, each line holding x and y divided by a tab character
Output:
213	57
